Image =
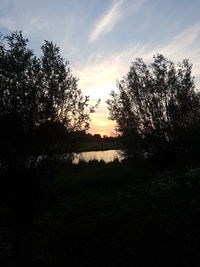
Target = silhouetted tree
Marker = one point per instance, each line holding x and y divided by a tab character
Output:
40	109
97	137
157	108
63	99
36	91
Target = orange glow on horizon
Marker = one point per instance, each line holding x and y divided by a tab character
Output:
100	124
102	128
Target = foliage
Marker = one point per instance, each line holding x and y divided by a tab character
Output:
63	99
157	108
34	91
98	210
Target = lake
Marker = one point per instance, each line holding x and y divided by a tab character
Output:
106	156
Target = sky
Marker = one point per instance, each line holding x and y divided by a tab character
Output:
100	38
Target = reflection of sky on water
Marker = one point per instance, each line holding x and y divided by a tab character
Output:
106	156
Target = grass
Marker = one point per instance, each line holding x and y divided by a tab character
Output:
116	214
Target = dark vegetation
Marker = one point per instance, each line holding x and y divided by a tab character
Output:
97	214
40	104
89	142
141	212
157	109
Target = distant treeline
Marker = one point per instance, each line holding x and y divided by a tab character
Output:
87	137
87	142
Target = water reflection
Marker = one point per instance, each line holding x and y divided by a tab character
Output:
106	156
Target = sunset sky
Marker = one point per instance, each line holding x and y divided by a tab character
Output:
100	38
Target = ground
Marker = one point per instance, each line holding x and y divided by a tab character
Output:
114	214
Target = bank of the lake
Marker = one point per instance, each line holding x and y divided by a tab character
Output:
114	214
98	146
120	215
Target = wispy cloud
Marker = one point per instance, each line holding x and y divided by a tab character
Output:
99	74
28	25
99	66
107	21
8	23
101	71
185	44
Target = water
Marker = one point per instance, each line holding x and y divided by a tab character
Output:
106	156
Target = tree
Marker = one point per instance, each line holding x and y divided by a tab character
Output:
37	96
157	108
63	99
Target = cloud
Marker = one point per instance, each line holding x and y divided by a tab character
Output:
185	44
8	23
100	124
28	25
107	21
100	73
